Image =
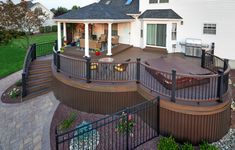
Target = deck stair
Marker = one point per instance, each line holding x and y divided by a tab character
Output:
155	49
39	79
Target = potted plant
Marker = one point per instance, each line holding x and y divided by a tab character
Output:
62	49
97	52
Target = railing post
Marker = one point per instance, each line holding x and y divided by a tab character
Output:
34	51
127	129
58	61
220	89
56	140
88	69
158	116
138	70
24	92
203	58
226	62
173	89
213	48
56	45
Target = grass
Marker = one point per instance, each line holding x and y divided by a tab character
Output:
12	55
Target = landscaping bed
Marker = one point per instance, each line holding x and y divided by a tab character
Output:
12	94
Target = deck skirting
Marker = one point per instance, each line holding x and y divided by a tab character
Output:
185	123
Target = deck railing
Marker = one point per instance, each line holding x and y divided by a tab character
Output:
176	86
126	129
30	56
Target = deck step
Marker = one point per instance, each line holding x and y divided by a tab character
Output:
39	76
38	62
38	93
40	66
39	81
157	50
39	71
36	88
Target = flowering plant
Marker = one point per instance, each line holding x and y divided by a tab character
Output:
125	124
14	93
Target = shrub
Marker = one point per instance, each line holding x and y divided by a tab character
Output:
18	83
14	93
41	30
67	123
187	146
168	144
206	146
54	28
47	29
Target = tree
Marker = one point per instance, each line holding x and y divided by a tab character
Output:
59	11
20	19
75	7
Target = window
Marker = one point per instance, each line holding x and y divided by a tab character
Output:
156	35
209	29
158	1
153	1
174	31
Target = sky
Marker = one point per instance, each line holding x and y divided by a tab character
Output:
56	3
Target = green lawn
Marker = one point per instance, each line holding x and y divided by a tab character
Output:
12	55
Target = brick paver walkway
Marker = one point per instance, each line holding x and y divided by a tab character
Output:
25	126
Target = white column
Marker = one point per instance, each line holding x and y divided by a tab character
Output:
168	37
59	35
109	39
87	40
65	31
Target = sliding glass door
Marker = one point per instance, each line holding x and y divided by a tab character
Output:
156	35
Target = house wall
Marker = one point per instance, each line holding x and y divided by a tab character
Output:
49	21
197	12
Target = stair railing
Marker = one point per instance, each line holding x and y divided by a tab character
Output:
29	58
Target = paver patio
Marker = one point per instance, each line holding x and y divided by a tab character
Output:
25	126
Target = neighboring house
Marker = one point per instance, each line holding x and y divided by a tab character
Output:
162	23
49	20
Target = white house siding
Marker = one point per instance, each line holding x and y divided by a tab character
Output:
197	12
49	21
135	32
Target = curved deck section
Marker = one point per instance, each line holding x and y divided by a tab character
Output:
193	107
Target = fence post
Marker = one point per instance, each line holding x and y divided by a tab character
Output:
88	69
138	70
127	129
58	61
158	115
226	62
24	92
220	89
203	58
173	89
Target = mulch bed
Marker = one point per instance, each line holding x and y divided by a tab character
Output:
6	97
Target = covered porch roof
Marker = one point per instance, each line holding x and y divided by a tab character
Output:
95	13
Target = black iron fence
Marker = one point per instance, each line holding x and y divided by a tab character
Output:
44	49
126	129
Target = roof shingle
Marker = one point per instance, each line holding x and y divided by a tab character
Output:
160	14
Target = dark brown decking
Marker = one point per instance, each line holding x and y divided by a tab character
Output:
78	53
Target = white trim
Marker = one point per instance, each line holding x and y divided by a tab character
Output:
155	46
93	20
59	35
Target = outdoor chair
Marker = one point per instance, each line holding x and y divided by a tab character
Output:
103	38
